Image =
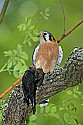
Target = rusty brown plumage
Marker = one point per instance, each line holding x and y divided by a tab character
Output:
47	56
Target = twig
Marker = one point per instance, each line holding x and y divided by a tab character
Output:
62	37
3	10
72	29
11	87
63	16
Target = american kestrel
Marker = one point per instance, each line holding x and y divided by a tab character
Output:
48	54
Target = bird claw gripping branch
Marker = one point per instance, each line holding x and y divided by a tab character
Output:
32	79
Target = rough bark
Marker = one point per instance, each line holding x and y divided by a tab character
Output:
69	75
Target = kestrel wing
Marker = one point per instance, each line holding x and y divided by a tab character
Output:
35	55
60	56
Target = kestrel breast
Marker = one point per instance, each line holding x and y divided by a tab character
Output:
47	56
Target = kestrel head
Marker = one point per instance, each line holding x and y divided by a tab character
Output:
45	36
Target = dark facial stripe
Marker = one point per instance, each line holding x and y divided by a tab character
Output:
54	39
44	38
50	37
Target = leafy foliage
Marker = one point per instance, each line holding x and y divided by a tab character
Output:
45	14
16	63
65	113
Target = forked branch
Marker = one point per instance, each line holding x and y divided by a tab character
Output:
69	31
69	75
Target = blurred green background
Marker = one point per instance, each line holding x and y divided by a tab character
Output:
10	37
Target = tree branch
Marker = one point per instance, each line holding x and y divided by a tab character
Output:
11	87
3	10
69	31
69	75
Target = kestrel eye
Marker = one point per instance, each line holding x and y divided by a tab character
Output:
45	33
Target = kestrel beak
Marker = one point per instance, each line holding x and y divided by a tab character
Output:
40	35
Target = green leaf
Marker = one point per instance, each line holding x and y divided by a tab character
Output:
9	65
14	52
53	109
47	14
61	108
8	53
14	62
19	47
71	107
33	118
29	43
29	22
76	121
61	120
47	109
22	27
42	109
31	27
18	66
16	58
45	17
66	117
22	61
41	13
35	39
76	88
75	96
78	92
54	115
15	73
72	120
24	55
69	92
29	34
35	31
47	10
51	104
22	69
